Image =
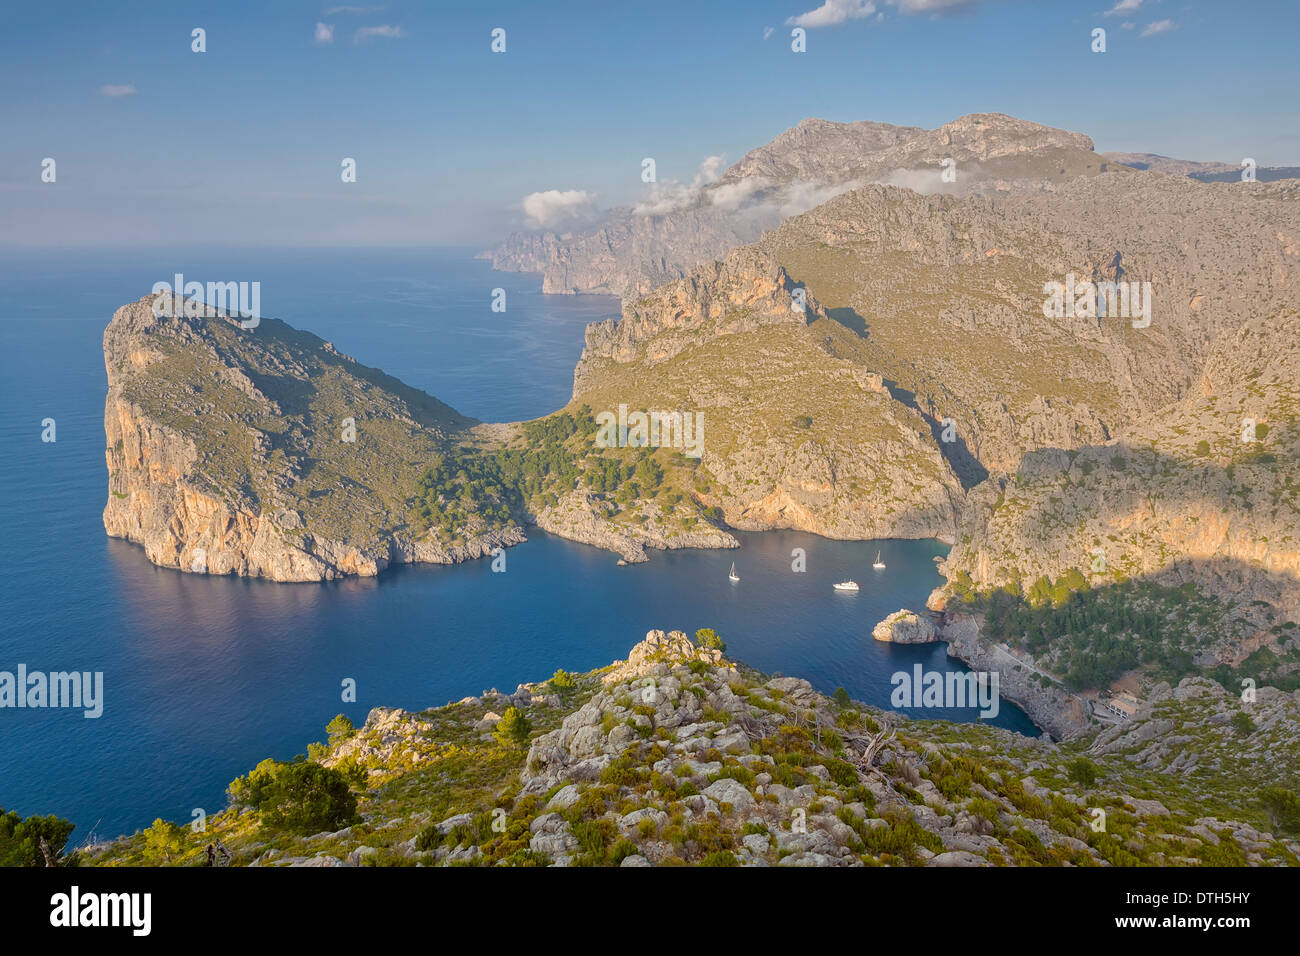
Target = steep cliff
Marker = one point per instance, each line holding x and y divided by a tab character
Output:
1205	490
265	452
796	435
949	294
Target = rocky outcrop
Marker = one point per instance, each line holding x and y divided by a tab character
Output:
680	755
224	458
1203	171
1159	738
589	519
1041	696
905	627
740	294
795	435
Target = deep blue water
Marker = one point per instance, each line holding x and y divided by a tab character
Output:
206	676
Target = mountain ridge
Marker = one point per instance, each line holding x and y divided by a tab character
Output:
629	253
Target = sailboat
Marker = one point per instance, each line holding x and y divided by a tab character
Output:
879	565
734	576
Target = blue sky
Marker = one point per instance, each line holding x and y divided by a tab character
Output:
242	145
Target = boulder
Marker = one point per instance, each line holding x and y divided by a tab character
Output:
905	627
729	791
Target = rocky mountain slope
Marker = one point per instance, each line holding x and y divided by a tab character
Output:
1204	171
924	335
1208	482
797	435
228	450
264	452
949	295
679	755
1097	450
631	251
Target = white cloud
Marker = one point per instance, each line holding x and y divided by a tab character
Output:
324	33
552	206
774	203
767	32
124	89
383	30
1160	26
671	195
834	12
925	180
1127	25
1123	7
731	196
710	169
801	196
937	7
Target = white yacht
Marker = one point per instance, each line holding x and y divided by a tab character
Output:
879	565
734	576
846	586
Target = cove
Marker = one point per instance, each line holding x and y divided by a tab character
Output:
205	676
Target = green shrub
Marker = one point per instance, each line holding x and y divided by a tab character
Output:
1082	771
339	729
708	638
593	837
1282	807
842	772
429	839
720	858
622	850
33	841
513	729
248	790
163	841
302	798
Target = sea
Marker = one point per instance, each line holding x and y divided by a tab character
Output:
205	676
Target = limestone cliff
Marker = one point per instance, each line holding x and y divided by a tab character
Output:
228	451
948	294
796	435
1206	490
264	452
